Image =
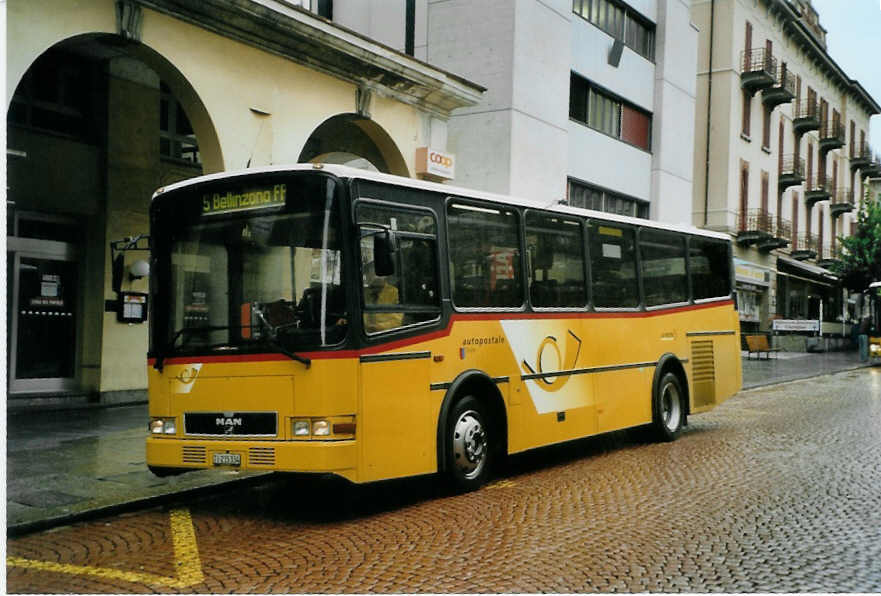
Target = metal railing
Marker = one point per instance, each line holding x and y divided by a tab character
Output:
782	228
832	129
755	220
818	184
805	109
829	252
758	60
805	242
791	165
842	195
786	81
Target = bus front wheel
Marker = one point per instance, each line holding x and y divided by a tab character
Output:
468	445
668	411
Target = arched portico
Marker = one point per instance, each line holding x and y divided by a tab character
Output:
354	140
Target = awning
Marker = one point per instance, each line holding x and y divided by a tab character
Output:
815	270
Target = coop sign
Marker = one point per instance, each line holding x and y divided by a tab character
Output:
258	198
434	164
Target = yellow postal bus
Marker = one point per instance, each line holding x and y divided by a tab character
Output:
329	320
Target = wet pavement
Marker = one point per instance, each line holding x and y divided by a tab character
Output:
68	464
777	490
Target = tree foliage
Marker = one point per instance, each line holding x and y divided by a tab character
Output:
860	262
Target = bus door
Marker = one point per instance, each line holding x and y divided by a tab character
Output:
400	300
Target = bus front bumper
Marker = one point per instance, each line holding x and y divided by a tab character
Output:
335	457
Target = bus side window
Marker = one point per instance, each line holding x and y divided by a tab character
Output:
556	259
613	266
663	267
410	295
484	250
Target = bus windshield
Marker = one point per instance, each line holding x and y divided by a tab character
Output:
266	277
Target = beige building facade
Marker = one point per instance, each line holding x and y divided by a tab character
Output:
781	155
109	100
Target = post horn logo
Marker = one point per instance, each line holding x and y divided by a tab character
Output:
549	356
186	377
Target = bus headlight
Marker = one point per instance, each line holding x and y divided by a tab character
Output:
320	428
875	348
162	426
301	428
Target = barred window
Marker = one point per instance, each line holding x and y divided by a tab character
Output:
587	196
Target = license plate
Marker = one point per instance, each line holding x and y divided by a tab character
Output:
227	459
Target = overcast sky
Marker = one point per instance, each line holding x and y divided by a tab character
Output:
853	39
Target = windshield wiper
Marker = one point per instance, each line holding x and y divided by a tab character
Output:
160	358
271	343
266	341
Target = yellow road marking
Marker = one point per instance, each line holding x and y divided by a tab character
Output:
186	559
501	484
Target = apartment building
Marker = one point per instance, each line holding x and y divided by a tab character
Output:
781	155
110	99
588	101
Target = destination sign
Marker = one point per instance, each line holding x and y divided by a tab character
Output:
258	198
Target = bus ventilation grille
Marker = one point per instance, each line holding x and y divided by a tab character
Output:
703	369
261	456
194	454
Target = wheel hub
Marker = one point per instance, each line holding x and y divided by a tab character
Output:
469	444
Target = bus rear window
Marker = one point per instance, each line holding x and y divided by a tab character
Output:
710	268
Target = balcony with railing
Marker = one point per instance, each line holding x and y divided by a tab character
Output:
873	168
831	135
782	91
842	202
828	255
754	226
805	116
759	69
861	157
817	189
792	171
780	233
805	247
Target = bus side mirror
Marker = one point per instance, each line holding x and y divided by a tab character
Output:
385	250
117	271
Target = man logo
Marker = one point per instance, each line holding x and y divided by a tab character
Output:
227	424
549	357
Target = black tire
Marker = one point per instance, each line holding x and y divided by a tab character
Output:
668	408
469	451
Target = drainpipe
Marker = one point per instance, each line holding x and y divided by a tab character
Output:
709	113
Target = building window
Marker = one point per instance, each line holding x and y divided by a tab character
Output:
55	96
766	129
608	114
588	196
177	140
745	117
621	22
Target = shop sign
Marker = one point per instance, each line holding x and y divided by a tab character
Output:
795	325
747	273
434	164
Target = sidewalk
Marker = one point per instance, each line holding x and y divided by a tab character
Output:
790	366
68	465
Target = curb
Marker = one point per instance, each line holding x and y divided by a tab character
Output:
20	529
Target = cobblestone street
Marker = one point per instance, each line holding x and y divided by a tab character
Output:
777	490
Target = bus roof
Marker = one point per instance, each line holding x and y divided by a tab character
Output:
355	173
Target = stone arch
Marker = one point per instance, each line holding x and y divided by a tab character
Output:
354	140
108	46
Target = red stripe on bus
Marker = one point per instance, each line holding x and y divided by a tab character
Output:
457	317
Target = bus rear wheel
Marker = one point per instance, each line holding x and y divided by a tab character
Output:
668	411
469	442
